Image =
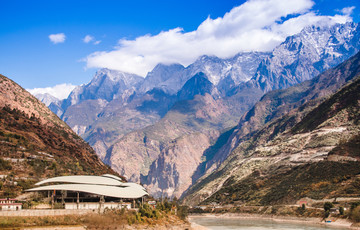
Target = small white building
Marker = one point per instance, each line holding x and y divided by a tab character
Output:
10	205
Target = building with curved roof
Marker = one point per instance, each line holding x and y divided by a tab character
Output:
90	188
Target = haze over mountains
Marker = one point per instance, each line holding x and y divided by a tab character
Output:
167	130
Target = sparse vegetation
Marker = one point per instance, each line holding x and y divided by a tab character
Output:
5	165
110	219
355	214
287	185
34	150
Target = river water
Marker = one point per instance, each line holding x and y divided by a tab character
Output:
253	224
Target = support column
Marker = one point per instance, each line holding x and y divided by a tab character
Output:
77	200
53	199
102	200
63	198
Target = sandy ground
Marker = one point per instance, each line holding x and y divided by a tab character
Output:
195	226
56	227
343	223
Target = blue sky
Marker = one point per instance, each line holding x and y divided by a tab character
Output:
150	32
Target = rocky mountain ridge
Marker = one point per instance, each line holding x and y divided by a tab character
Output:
307	54
287	131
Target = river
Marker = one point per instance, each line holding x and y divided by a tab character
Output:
217	223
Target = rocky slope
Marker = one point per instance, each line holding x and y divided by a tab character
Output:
120	116
278	103
187	129
141	148
300	134
36	144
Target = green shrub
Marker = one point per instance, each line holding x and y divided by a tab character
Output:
5	165
328	206
327	213
341	211
165	205
355	214
8	192
58	206
25	184
182	212
146	210
354	205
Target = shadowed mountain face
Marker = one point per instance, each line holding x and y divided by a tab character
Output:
36	144
197	85
298	131
124	116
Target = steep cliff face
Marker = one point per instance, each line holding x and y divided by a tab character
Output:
261	167
146	150
171	173
36	144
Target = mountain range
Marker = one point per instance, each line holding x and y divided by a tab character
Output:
180	124
303	142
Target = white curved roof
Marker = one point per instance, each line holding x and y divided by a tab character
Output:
111	191
134	185
112	176
96	180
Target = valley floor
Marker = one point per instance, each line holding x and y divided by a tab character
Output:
57	219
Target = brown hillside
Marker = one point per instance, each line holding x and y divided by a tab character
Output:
36	144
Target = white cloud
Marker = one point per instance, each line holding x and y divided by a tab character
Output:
60	91
256	25
89	38
57	38
348	10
